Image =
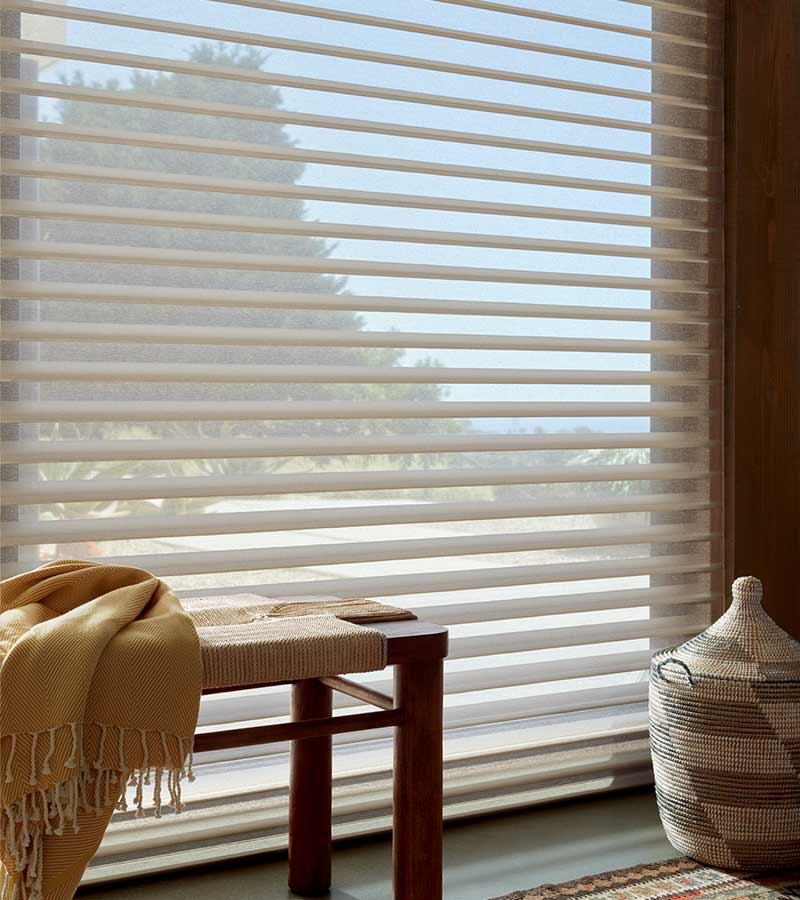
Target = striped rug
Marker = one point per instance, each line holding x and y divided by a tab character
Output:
676	879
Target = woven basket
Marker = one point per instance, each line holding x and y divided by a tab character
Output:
725	740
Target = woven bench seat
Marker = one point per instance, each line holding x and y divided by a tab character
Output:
249	640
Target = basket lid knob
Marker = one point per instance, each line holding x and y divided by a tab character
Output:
747	592
744	644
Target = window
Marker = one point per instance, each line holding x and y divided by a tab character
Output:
407	300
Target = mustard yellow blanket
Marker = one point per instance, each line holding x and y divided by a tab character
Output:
100	679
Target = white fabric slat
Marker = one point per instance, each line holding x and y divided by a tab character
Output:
316	84
242	411
156	256
524	641
678	8
473	579
130	527
197	563
251	224
264	374
309	337
286	117
144	178
262	40
614	27
388	163
404	25
243	448
493	712
126	294
92	489
559	604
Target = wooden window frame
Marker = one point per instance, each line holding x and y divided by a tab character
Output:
762	293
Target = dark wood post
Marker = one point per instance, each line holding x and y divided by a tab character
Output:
310	795
762	274
417	849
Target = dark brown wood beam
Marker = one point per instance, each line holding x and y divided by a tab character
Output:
762	239
296	731
310	793
358	691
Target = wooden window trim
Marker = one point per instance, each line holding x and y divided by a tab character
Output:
762	278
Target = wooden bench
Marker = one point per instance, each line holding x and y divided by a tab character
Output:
416	650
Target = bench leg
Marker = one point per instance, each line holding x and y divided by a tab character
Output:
310	795
417	850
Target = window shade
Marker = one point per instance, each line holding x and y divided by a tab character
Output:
416	301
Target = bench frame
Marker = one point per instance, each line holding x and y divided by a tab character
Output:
416	650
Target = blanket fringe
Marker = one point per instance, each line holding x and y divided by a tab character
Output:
25	822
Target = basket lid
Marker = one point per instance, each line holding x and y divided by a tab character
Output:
744	643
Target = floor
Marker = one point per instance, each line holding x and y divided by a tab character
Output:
483	858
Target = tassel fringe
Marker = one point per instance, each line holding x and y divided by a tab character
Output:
54	810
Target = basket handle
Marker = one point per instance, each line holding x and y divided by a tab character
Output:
678	662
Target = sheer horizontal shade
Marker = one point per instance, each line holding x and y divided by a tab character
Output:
233	710
517	641
392	164
157	410
91	253
309	337
241	448
510	711
232	245
140	372
379	551
262	40
559	604
109	175
681	9
336	15
25	290
393	129
473	579
490	712
114	216
238	74
242	523
369	480
614	27
621	754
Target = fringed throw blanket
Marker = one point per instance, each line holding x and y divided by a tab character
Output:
100	678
